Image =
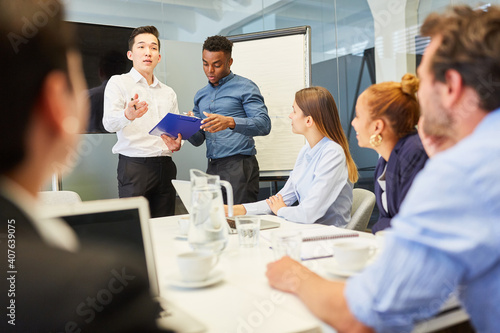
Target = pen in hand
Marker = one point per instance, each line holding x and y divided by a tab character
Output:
134	104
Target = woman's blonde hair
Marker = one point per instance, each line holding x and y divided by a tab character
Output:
318	103
397	103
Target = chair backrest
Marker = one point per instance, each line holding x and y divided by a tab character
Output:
363	202
58	197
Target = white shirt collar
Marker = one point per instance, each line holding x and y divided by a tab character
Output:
138	76
54	232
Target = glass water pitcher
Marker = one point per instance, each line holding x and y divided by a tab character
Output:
208	229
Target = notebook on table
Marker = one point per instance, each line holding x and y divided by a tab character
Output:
183	188
126	223
317	240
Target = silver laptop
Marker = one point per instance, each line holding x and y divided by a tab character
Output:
183	188
126	222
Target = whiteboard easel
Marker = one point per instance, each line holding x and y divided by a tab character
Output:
278	61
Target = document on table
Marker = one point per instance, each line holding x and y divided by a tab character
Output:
317	242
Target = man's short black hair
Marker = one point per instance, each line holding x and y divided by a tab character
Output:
29	51
218	43
148	29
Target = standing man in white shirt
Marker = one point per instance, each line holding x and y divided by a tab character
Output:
133	104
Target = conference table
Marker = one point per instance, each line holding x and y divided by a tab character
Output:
242	301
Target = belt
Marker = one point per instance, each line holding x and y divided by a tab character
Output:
228	158
144	160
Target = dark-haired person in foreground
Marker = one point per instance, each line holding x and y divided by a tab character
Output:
233	112
444	239
133	104
47	283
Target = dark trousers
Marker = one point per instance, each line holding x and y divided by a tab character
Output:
242	171
149	177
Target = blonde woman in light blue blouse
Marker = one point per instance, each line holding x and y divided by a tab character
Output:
323	176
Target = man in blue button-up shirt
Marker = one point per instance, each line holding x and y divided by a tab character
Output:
444	239
233	112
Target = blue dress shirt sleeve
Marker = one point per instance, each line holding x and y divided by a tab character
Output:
409	283
257	122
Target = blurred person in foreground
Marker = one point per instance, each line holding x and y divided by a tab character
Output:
444	239
48	284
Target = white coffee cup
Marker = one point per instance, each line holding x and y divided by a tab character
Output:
352	254
184	222
196	266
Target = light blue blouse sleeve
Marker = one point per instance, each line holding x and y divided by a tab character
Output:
262	208
330	177
258	208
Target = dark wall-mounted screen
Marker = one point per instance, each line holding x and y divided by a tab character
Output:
104	54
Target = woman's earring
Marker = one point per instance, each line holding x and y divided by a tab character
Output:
375	140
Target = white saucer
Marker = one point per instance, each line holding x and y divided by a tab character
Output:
175	280
332	267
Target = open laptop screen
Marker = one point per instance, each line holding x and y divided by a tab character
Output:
119	222
118	227
124	222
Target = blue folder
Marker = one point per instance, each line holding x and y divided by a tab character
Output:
174	123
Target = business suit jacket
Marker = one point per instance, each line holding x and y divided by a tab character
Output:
407	158
94	290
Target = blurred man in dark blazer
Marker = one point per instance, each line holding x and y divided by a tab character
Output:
47	283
